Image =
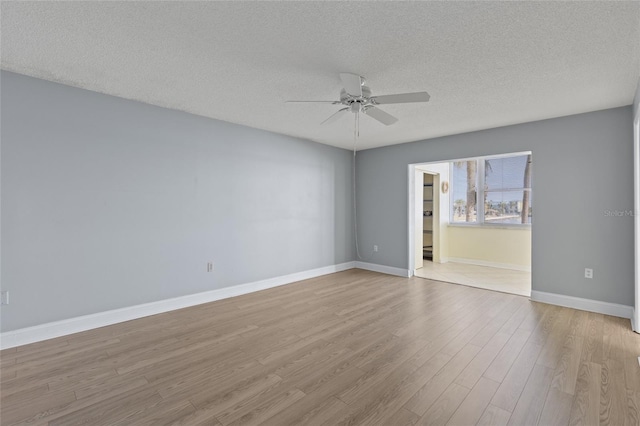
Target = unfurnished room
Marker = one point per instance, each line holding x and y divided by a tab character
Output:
319	213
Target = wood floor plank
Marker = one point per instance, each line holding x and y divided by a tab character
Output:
203	417
529	408
30	409
476	368
592	346
631	364
95	389
331	381
557	408
26	359
310	410
494	416
378	401
501	317
476	322
203	380
160	413
585	409
535	316
403	417
379	404
501	365
476	402
24	395
553	347
516	320
633	408
110	410
223	399
377	370
355	347
429	393
545	325
443	408
613	337
514	382
256	410
566	372
578	326
79	380
613	394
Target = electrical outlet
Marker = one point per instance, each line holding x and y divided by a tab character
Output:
4	297
209	266
588	273
375	248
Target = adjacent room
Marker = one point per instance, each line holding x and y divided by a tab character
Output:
473	221
319	213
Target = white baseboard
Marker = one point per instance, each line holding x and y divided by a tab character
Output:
487	263
23	336
634	326
383	269
613	309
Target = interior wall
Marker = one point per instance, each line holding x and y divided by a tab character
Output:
582	179
108	203
506	246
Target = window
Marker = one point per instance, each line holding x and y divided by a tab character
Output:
502	183
464	192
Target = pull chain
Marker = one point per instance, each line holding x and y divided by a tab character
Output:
356	135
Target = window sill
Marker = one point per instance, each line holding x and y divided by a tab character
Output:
513	226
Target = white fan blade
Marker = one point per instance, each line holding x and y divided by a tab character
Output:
380	115
334	116
401	98
352	83
315	102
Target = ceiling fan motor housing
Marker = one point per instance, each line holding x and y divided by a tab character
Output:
355	102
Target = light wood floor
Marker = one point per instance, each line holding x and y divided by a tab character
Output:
354	347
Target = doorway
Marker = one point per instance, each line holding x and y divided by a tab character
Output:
470	221
431	206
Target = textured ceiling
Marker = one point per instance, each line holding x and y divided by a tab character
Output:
485	64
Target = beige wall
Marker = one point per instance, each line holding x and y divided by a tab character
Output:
506	246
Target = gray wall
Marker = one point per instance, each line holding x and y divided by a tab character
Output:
582	164
108	203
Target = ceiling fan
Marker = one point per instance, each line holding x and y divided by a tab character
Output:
356	97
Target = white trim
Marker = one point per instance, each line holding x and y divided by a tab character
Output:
634	325
10	339
636	220
614	309
489	264
411	211
489	225
384	269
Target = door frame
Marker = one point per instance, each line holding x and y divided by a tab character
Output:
415	211
635	320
